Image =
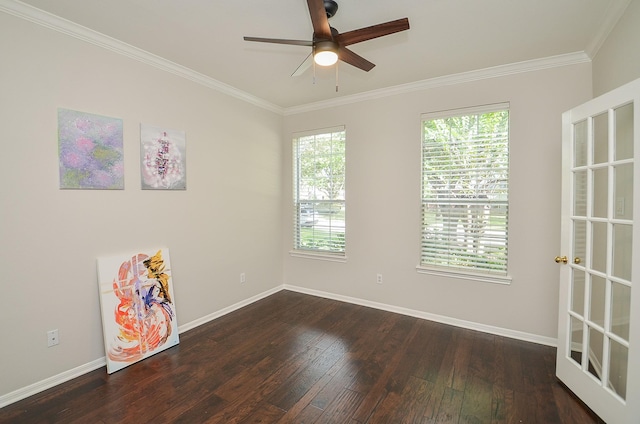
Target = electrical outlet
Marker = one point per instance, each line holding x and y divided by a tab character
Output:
52	338
243	278
379	279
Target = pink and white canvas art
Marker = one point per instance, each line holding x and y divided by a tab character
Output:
137	305
163	158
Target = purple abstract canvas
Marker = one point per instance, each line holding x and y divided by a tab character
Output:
90	149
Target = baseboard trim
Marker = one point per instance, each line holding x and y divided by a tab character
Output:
498	331
63	377
224	311
50	382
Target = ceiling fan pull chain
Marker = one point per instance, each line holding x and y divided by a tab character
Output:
313	62
337	76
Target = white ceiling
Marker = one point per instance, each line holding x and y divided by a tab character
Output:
446	37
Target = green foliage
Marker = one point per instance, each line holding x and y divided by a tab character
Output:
321	240
319	191
321	166
465	190
466	156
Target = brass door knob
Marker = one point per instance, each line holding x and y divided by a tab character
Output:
562	259
576	260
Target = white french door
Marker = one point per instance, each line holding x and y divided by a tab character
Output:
599	313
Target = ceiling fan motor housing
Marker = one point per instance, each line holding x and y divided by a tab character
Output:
326	39
331	7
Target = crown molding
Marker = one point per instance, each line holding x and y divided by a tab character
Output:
611	18
56	23
461	78
64	26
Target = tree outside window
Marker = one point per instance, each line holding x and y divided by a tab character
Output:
465	164
319	191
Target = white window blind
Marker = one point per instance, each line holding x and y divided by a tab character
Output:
465	187
319	191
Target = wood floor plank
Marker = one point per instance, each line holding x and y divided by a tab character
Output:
456	362
295	358
536	373
348	368
341	410
386	363
512	368
309	414
450	406
264	413
304	409
477	401
482	360
258	390
566	404
499	404
411	407
295	387
370	358
430	349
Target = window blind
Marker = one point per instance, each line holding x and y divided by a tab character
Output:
319	191
465	186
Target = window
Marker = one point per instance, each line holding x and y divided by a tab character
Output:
465	187
319	191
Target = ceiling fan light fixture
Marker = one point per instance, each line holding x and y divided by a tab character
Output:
326	53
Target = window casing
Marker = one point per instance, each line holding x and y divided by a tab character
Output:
319	192
465	191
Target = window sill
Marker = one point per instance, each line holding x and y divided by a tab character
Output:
484	278
321	256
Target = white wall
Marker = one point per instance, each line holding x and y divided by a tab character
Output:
233	215
226	222
383	201
617	62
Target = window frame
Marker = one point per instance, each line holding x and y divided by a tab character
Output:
460	272
305	251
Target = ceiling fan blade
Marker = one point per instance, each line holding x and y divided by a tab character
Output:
374	31
280	41
306	64
354	59
319	20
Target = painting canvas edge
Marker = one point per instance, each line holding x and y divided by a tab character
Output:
153	301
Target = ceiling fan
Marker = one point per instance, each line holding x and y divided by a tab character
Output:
328	45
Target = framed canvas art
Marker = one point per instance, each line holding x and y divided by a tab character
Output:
137	305
90	151
163	158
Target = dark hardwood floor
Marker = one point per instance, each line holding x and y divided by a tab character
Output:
294	358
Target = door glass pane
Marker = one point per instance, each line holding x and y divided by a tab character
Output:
579	240
580	193
618	356
600	138
624	132
600	189
622	238
620	309
623	191
577	292
580	143
596	307
575	349
599	246
596	341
